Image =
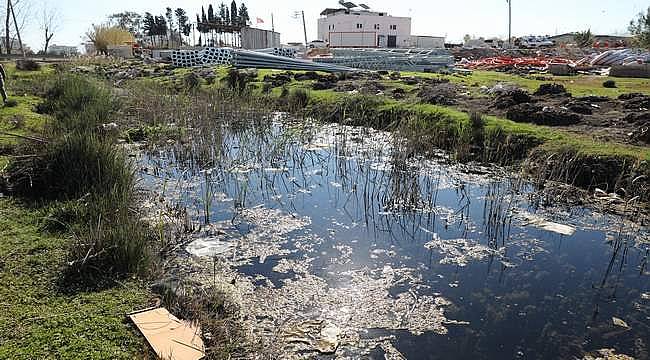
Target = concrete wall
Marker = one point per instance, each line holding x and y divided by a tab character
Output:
252	38
427	42
359	22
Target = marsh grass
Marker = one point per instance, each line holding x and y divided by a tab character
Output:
88	180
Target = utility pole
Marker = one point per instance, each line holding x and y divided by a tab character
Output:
304	26
509	23
272	23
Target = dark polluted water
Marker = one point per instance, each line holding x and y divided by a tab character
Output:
343	245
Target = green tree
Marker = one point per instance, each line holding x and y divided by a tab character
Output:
234	17
211	18
149	27
223	13
640	28
584	38
182	21
169	15
128	20
244	18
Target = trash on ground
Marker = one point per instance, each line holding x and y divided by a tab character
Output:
170	337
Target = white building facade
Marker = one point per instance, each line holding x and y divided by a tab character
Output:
363	29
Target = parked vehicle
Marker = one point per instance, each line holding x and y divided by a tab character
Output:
317	44
534	42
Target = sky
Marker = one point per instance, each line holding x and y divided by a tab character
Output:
453	19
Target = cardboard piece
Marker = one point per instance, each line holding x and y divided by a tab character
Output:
171	338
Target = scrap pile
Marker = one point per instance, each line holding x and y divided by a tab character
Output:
390	59
617	57
509	63
248	59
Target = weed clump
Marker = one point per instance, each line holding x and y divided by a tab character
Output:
298	99
609	84
237	81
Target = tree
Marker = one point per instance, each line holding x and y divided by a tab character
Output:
640	28
16	19
584	38
49	24
223	13
244	18
226	20
169	25
182	21
211	18
149	26
128	20
234	17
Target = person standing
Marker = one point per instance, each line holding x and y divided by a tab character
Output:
3	77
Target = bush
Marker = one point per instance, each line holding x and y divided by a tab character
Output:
238	80
71	167
298	99
610	84
78	105
11	103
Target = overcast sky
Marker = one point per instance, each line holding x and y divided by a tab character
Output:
452	19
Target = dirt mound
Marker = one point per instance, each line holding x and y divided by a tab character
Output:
594	99
635	101
27	65
580	107
551	89
309	75
508	99
441	94
536	114
323	85
642	134
278	80
640	118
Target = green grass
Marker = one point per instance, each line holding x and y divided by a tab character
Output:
37	320
579	85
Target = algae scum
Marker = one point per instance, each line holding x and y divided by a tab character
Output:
341	243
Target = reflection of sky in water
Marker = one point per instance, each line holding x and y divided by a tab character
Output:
537	295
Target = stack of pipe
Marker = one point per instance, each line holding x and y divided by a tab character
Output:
286	52
248	59
391	59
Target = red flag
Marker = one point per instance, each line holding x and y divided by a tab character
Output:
260	21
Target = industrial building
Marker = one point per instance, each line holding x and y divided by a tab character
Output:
363	28
353	26
253	39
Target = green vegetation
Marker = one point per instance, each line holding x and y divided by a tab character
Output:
70	248
39	318
581	85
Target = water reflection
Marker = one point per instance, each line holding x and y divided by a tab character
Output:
349	239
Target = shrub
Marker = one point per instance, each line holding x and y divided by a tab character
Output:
297	99
77	104
610	84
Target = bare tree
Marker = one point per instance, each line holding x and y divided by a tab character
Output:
49	24
16	18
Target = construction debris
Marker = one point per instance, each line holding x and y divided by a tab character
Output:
170	337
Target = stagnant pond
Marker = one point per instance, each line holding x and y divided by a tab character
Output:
342	244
